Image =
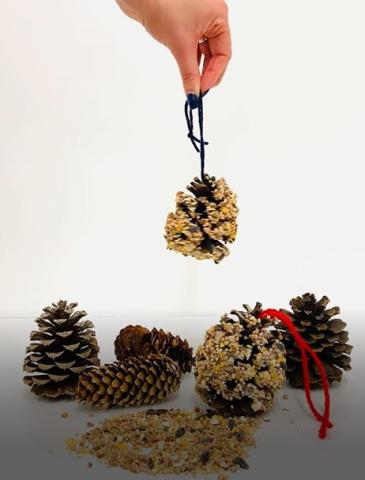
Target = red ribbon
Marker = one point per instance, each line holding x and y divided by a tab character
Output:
305	349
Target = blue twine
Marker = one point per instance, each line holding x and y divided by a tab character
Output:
198	143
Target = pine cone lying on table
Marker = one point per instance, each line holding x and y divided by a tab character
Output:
133	382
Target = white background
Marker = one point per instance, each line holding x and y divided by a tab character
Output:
93	148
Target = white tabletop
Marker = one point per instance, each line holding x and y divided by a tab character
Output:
33	431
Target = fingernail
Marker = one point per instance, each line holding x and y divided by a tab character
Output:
193	100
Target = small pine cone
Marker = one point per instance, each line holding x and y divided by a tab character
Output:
133	382
203	222
132	341
326	336
63	347
139	341
240	365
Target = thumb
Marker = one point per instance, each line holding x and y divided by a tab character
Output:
187	60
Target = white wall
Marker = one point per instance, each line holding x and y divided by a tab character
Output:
93	148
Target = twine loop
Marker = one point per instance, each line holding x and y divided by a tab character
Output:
198	142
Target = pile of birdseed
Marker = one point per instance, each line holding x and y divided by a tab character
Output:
170	442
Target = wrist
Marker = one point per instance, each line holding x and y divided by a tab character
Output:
135	9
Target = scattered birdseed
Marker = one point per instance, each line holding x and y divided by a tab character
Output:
170	442
72	444
64	415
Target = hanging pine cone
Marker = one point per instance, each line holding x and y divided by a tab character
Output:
240	365
134	341
325	335
63	347
133	382
203	222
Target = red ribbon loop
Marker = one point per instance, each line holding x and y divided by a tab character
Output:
305	350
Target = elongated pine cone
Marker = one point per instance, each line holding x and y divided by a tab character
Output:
134	341
240	365
326	336
203	222
63	347
133	382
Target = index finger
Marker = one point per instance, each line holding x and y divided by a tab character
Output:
221	51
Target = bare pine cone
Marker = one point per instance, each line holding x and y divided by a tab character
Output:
139	341
133	382
63	347
326	336
203	222
132	341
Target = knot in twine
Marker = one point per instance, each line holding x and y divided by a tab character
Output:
198	143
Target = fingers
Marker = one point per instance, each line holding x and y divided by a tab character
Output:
188	62
216	52
220	49
203	49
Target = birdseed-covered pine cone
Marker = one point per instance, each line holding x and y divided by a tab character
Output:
203	222
326	336
134	341
63	347
240	365
133	382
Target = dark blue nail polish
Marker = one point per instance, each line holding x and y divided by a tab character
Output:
193	100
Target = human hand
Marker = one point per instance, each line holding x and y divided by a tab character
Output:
180	25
